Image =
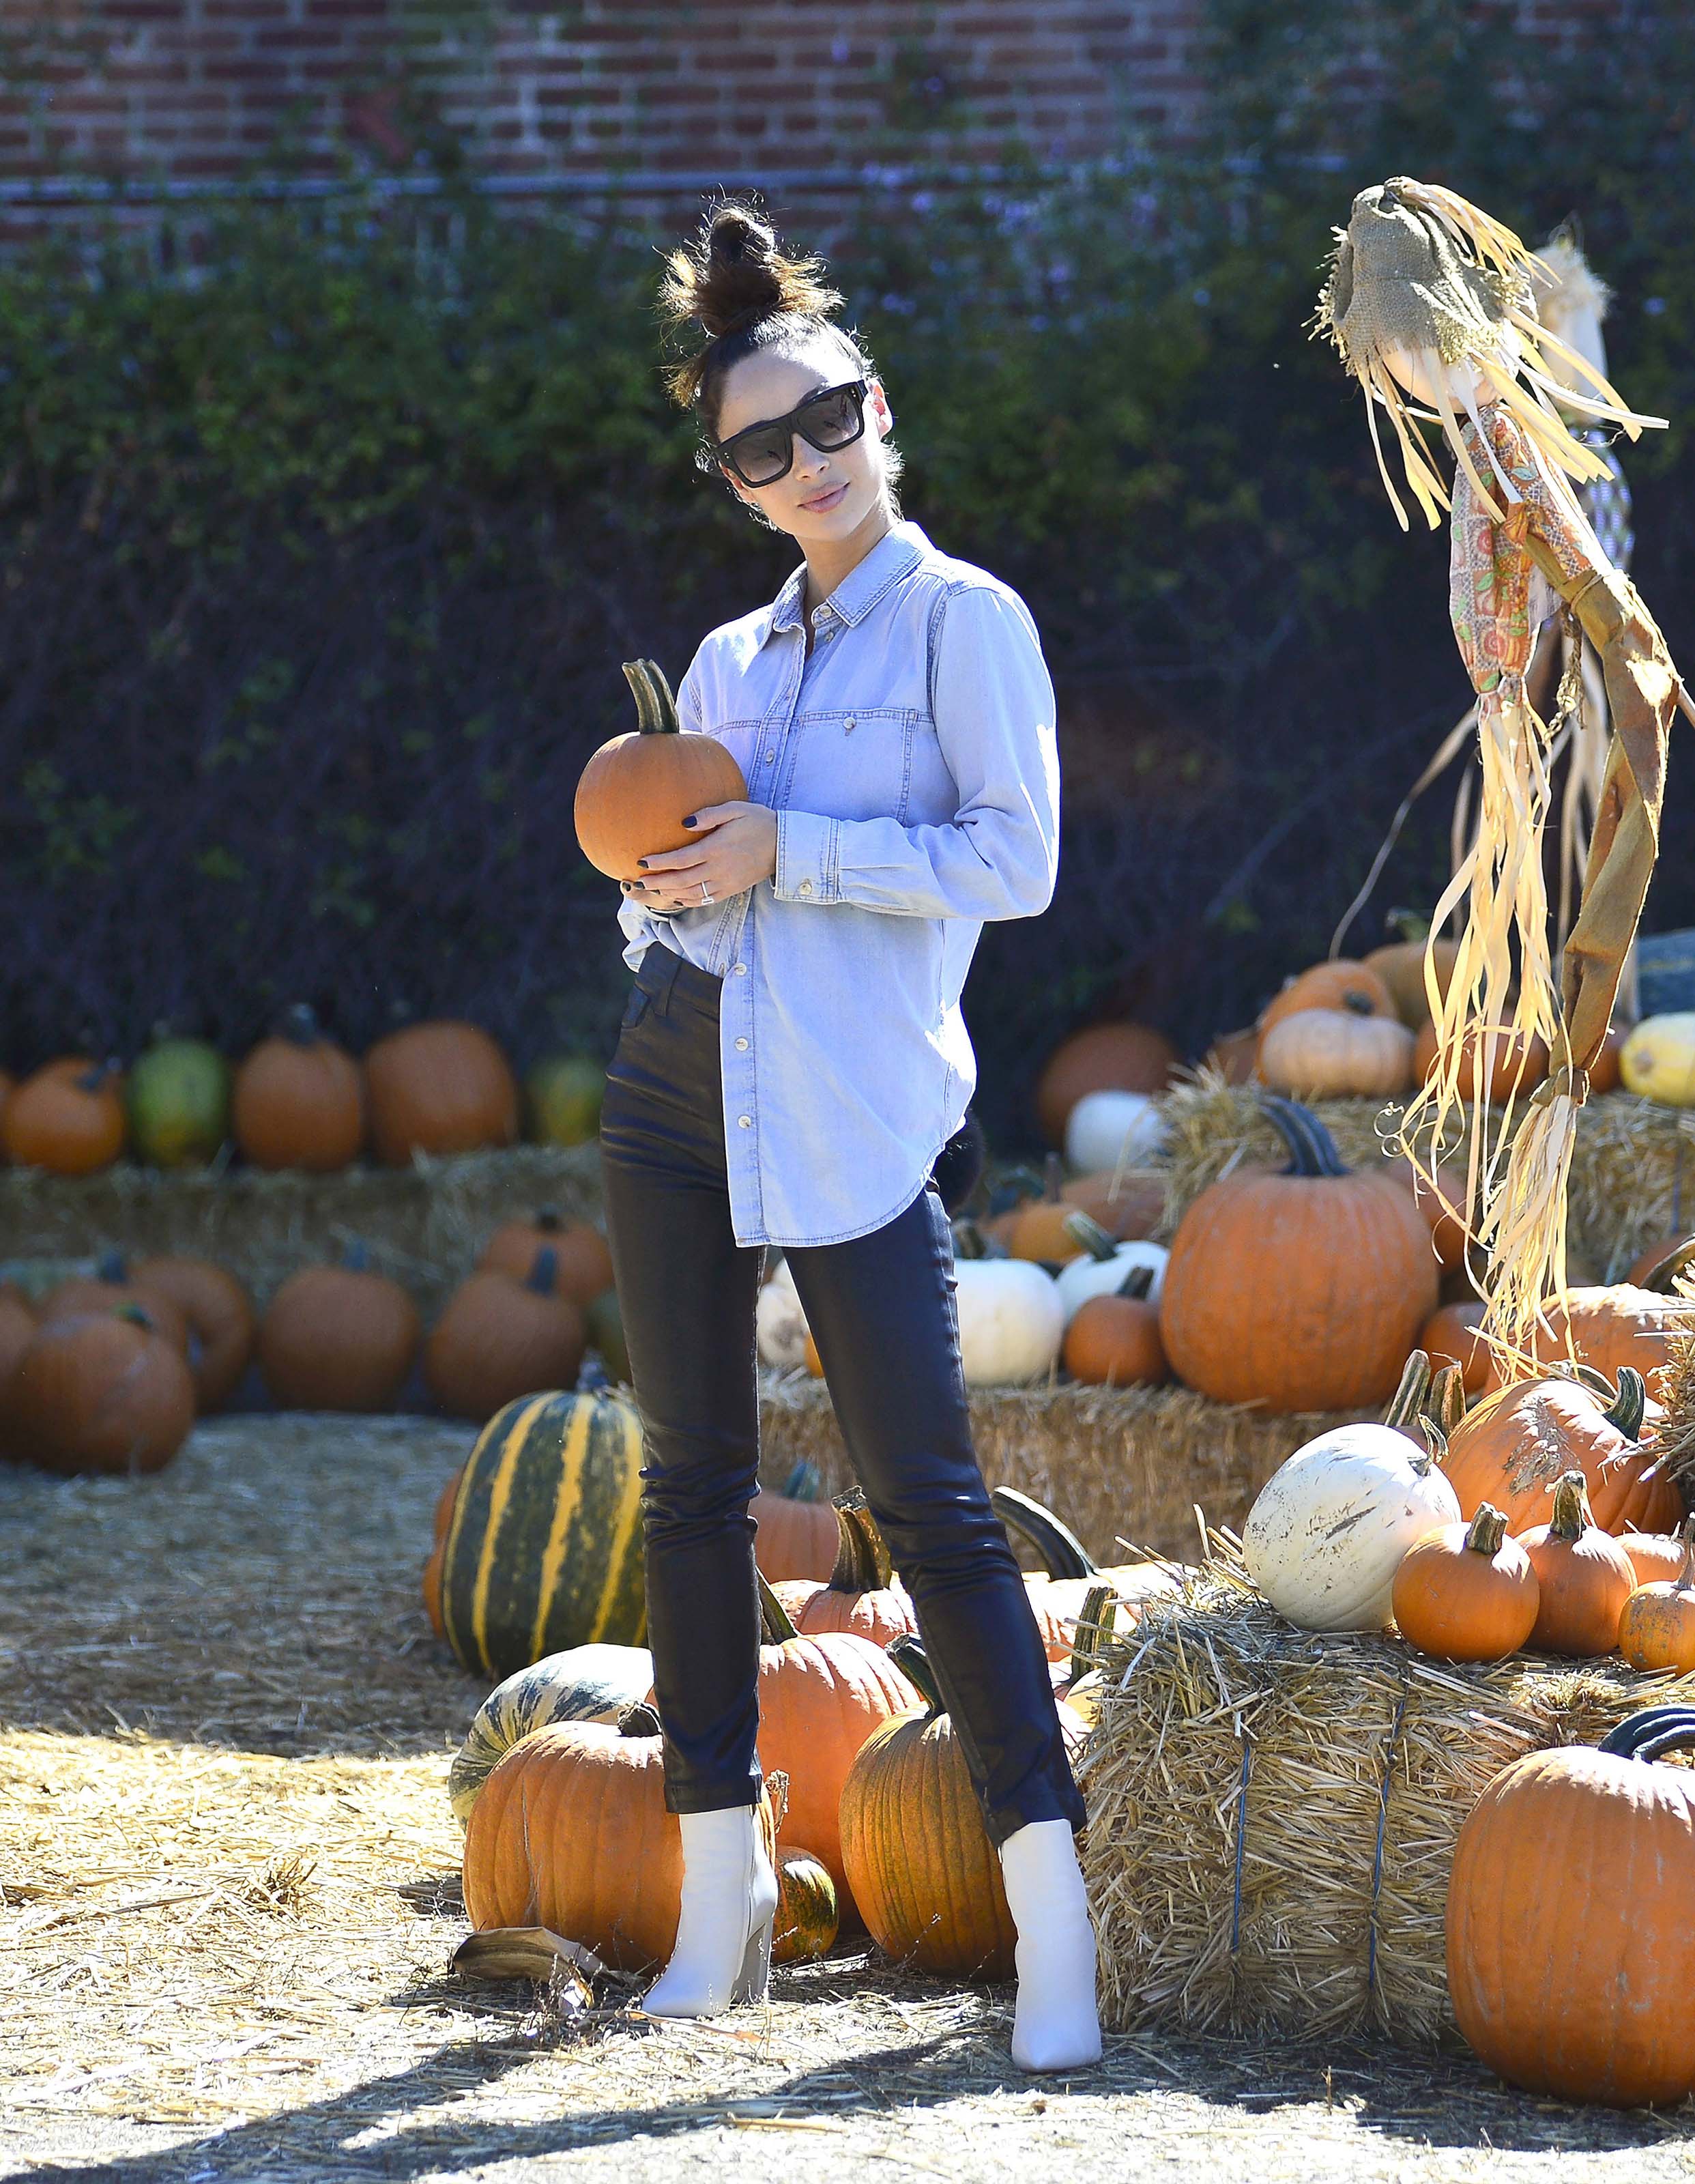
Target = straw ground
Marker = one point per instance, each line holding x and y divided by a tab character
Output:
228	1897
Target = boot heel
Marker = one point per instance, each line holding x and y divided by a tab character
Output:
753	1980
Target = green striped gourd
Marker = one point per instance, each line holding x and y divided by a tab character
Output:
590	1683
544	1550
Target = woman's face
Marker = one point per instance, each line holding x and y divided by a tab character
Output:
769	385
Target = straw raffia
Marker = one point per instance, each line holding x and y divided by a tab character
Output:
1273	1812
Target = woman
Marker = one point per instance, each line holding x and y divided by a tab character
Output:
791	1064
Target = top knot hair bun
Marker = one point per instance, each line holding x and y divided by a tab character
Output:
732	279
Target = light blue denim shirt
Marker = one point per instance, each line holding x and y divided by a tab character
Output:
913	764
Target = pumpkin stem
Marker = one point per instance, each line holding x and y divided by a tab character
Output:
656	710
1435	1441
1488	1529
298	1025
908	1655
1572	1515
862	1559
1662	1276
1137	1283
804	1482
545	1271
1050	1167
135	1314
1095	1621
548	1220
1410	1398
1444	1405
1095	1240
1629	1407
1312	1149
775	1625
112	1267
640	1720
1356	1003
1406	925
1654	1731
1062	1553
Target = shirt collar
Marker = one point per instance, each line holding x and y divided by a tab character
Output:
900	549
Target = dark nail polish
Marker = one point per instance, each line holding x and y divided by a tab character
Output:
642	862
689	821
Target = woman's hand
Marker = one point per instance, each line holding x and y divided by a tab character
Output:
737	849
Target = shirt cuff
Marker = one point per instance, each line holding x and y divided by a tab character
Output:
807	868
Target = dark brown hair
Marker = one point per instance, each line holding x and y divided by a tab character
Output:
735	282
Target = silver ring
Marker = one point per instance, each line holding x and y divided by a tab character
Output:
704	896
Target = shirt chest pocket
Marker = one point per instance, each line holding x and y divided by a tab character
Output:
854	762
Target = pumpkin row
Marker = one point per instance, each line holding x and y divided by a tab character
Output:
109	1373
296	1101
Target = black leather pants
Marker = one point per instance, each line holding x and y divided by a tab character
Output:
882	1314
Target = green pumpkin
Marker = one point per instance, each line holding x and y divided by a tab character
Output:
605	1323
562	1096
178	1097
544	1549
591	1683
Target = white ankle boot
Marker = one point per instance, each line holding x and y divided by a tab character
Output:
723	1951
1055	2025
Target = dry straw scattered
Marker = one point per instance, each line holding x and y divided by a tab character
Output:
1272	1812
1122	1465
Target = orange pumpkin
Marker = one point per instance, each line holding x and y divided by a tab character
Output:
18	1323
109	1286
439	1088
582	1262
1611	1325
1517	1062
1513	1444
1103	1057
796	1534
1441	1202
1114	1341
1340	985
1571	1919
1303	1290
499	1337
1604	1071
223	1327
98	1391
67	1118
299	1099
1129	1203
444	1503
1400	964
1233	1054
338	1338
1665	1259
431	1588
1656	1558
1657	1627
637	789
1466	1592
1450	1337
862	1594
808	1913
1060	1593
1583	1575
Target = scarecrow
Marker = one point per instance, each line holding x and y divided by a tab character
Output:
1430	303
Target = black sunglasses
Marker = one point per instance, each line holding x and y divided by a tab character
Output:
830	417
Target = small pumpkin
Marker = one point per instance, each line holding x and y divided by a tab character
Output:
223	1327
112	1284
1656	1558
67	1118
1303	1290
1658	1059
1451	1336
637	789
338	1338
1513	1444
1011	1321
1127	1202
499	1337
1584	1576
1102	1268
581	1260
177	1101
1114	1341
1516	1062
1105	1057
1035	1228
444	1503
587	1683
1656	1624
1341	983
862	1593
98	1391
299	1099
1570	1919
1466	1592
1401	965
562	1099
1335	1054
917	1857
437	1088
1110	1129
809	1915
796	1533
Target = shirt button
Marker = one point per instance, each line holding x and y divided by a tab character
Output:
739	970
745	1122
805	887
766	756
740	1046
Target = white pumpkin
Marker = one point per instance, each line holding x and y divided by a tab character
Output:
1011	1322
1325	1538
779	1322
1658	1059
1107	1127
1087	1276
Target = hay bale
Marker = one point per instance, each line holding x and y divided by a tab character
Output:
1273	1812
424	1225
1121	1465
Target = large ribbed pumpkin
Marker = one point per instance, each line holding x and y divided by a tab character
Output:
544	1550
917	1857
1303	1290
589	1683
637	789
299	1099
438	1087
1614	1324
1571	1918
1513	1444
98	1391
